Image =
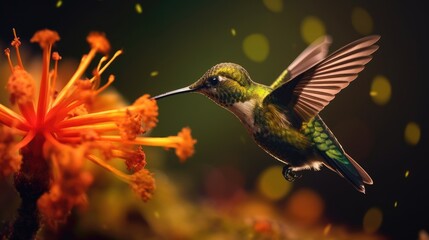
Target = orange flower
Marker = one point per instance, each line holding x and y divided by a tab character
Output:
63	129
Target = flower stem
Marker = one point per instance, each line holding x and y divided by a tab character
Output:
31	182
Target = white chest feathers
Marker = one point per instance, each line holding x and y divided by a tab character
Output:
244	111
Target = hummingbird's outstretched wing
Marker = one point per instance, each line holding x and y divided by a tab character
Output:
313	54
309	92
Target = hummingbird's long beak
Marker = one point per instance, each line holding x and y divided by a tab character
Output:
174	92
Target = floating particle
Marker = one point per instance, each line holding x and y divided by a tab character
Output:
233	32
256	47
138	8
274	5
407	174
362	21
372	220
59	3
312	28
156	214
272	185
154	73
395	205
412	133
381	90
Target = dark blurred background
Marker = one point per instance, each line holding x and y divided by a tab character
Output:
381	118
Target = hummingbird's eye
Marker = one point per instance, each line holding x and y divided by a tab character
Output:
213	81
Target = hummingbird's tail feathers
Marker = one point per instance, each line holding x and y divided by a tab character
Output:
365	176
313	54
341	165
334	156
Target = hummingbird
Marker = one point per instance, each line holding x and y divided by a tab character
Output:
283	118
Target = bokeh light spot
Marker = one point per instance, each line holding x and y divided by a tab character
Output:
256	47
381	90
272	185
154	73
362	21
138	8
412	133
233	32
312	28
395	204
59	3
274	5
407	173
305	207
327	229
372	220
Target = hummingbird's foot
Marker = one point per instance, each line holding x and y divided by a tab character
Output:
289	174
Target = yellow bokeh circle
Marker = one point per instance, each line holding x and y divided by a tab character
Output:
274	5
272	184
412	133
372	220
381	90
256	47
362	21
312	28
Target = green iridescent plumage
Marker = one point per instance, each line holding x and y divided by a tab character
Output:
284	118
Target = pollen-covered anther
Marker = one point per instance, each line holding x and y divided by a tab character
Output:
15	42
135	159
98	41
185	147
143	183
45	38
56	56
149	111
20	86
130	126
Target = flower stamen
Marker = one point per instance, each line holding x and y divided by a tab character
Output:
142	182
121	175
117	53
105	86
80	70
16	43
46	38
7	53
12	119
56	57
98	43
